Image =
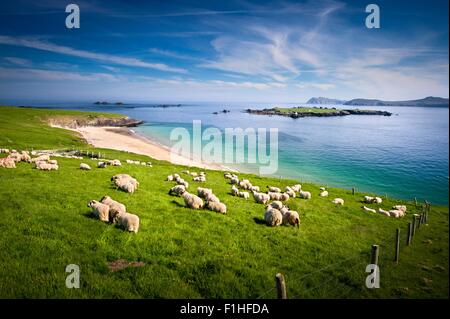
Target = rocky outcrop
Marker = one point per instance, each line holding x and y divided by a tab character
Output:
74	122
332	112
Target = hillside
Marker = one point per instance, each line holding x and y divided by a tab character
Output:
45	225
428	101
324	100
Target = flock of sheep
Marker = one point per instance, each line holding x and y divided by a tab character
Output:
108	210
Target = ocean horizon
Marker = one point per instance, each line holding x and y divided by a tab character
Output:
401	156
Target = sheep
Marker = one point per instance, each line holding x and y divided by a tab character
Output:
4	150
46	166
383	212
261	198
290	192
400	207
284	210
41	158
274	189
212	198
115	208
254	188
273	217
234	191
245	195
202	174
323	194
245	184
338	201
284	197
274	196
16	157
372	200
25	157
227	175
183	182
7	163
169	178
276	204
85	167
199	179
291	217
234	180
397	213
128	221
297	188
115	162
101	164
175	176
322	189
305	195
126	185
177	190
217	207
203	192
53	162
193	174
99	210
377	200
185	172
367	209
192	201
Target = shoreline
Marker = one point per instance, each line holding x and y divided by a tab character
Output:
125	139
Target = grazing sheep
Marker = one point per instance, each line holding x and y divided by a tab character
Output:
25	157
291	217
4	150
284	197
400	207
273	217
127	185
397	213
53	162
274	195
227	175
245	195
217	207
199	179
7	162
16	157
245	184
338	201
193	174
203	192
254	188
115	207
41	158
367	209
383	212
183	182
46	166
85	167
101	164
202	174
177	190
297	188
234	180
305	195
175	176
99	210
276	204
322	189
372	200
115	162
323	194
234	191
128	221
169	178
192	201
212	198
261	198
290	192
274	189
377	200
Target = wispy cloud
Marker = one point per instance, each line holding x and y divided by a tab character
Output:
51	47
18	61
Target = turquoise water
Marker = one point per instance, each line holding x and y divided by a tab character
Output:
404	156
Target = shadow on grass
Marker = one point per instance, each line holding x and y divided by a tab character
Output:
259	221
177	204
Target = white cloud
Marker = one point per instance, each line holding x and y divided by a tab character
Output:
18	61
38	74
47	46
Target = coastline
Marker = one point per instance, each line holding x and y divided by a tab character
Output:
125	139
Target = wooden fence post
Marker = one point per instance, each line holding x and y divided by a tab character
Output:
415	201
353	191
408	238
397	245
281	286
374	254
414	222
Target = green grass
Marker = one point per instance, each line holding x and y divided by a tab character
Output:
305	110
45	225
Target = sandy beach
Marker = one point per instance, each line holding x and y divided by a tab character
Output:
124	139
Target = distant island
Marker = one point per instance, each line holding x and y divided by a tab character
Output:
296	112
133	106
325	100
430	101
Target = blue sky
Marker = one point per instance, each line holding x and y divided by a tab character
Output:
243	51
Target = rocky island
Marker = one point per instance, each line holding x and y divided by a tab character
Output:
297	112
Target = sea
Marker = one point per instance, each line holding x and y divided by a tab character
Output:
404	156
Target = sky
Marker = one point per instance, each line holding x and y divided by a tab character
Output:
223	51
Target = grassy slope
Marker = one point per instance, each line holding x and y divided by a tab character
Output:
45	225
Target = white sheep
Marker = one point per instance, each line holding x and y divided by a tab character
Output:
400	207
377	200
46	166
397	213
101	164
210	197
234	191
234	180
297	188
323	193
99	210
245	195
276	204
291	217
115	207
41	158
85	167
290	192
203	192
199	179
177	190
169	178
338	201
193	174
367	209
305	195
322	189
53	162
254	188
185	172
261	198
383	212
217	207
273	217
128	221
274	189
192	201
7	162
4	150
274	195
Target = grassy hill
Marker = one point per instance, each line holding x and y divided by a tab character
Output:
45	225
